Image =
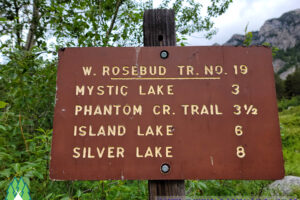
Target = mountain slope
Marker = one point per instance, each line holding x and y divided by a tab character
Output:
283	33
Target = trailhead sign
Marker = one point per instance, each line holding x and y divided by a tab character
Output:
170	113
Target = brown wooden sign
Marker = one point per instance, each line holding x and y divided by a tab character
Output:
166	113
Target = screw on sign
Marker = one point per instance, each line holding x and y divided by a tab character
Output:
164	54
212	109
165	168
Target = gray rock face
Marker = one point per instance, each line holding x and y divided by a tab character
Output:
286	185
235	40
277	64
283	32
285	74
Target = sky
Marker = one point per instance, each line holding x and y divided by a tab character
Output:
243	12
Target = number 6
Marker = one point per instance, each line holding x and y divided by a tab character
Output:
238	130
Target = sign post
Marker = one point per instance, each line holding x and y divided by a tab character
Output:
164	113
159	30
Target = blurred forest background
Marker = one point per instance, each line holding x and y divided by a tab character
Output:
32	31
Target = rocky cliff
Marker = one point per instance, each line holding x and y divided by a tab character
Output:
283	33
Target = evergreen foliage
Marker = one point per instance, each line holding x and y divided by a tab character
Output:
279	85
292	84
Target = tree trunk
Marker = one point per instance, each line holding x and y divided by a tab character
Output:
33	26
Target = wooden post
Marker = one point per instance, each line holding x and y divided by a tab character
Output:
159	30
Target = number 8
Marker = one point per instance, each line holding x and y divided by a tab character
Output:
240	152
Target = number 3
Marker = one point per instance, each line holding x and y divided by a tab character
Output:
236	89
238	110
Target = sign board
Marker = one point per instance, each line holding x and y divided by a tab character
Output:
166	113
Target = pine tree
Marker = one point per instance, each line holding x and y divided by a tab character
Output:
18	190
26	194
11	192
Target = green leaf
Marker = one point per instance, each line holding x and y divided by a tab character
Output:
5	173
3	184
27	181
78	193
65	198
2	127
38	174
17	168
3	104
49	195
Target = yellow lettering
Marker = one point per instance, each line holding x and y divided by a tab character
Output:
76	153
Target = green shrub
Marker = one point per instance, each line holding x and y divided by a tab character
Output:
286	103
